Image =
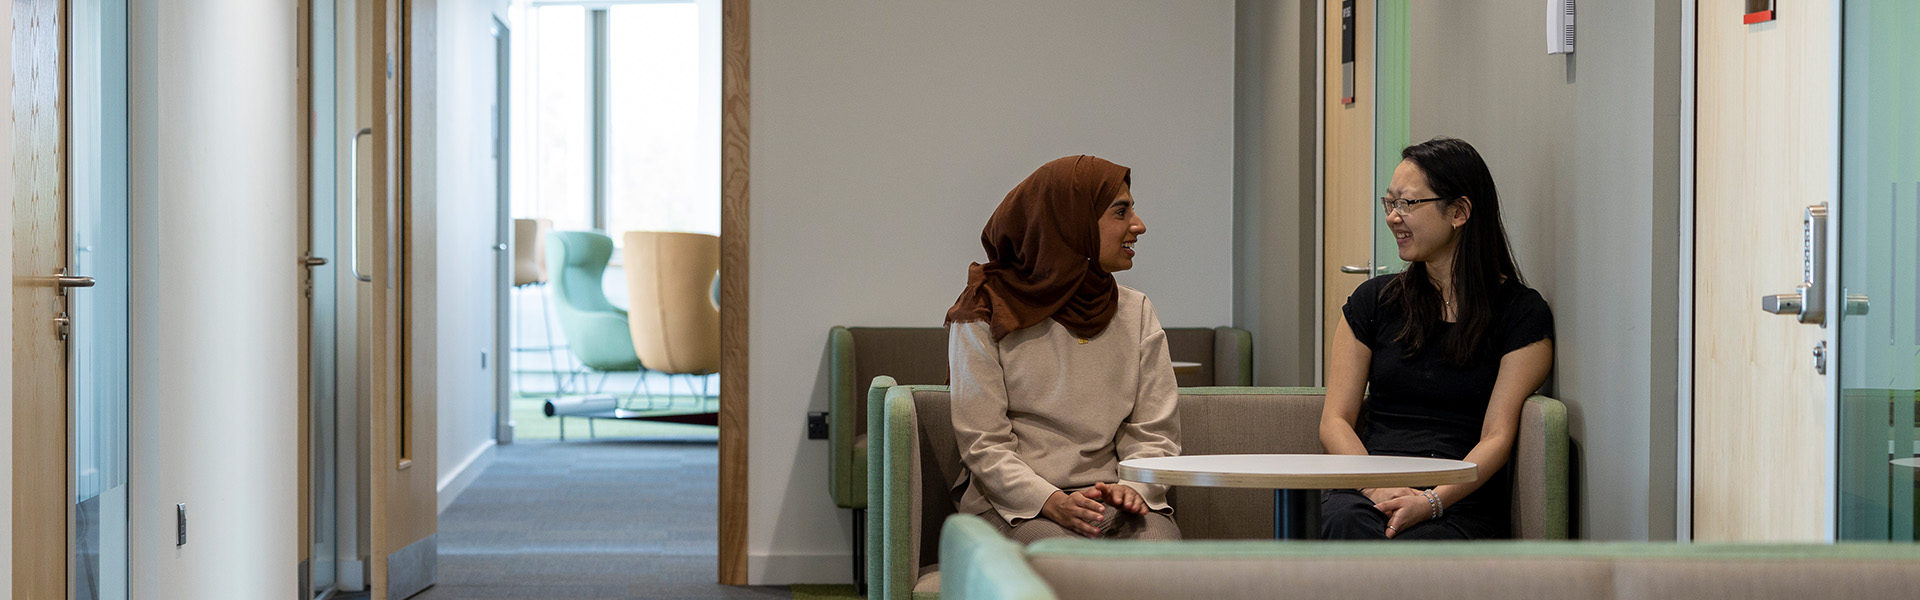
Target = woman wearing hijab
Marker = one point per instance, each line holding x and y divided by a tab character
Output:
1436	360
1059	372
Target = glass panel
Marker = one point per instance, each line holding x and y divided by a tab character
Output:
662	175
1389	119
1879	221
98	218
323	484
561	140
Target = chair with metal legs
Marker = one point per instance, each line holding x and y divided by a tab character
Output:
596	330
530	273
674	319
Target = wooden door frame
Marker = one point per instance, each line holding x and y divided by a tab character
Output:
734	286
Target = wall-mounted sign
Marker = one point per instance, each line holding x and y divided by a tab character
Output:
1758	11
1346	51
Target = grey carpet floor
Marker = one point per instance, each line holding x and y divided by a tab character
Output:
587	520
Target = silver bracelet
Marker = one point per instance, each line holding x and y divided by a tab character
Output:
1433	502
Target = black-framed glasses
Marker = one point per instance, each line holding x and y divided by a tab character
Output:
1404	206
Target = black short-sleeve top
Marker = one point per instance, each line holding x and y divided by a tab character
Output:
1421	406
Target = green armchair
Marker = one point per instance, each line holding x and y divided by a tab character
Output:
596	330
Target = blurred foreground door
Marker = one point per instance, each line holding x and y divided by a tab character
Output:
70	299
398	420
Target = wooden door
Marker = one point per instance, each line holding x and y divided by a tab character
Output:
403	508
40	518
1348	201
1764	151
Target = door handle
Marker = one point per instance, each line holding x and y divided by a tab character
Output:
353	213
1366	269
500	247
1856	305
62	281
310	261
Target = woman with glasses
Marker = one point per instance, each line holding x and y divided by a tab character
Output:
1437	360
1059	372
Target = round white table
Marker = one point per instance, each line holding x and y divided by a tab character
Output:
1293	477
1911	462
1182	367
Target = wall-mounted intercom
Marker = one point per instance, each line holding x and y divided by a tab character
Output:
1559	26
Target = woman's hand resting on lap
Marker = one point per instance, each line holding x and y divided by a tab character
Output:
1381	495
1124	497
1074	511
1405	511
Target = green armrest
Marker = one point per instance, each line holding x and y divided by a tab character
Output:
1542	465
847	467
889	511
977	562
876	517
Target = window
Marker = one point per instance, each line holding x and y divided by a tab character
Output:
626	117
660	176
562	150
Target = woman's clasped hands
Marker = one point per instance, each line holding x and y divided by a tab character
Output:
1083	511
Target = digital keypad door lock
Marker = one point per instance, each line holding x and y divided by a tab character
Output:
1808	301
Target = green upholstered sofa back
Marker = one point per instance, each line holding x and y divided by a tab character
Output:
1075	568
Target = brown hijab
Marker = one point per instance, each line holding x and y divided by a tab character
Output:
1042	252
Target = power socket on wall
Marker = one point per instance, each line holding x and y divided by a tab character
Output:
816	425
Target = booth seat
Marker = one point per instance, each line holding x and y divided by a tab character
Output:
915	459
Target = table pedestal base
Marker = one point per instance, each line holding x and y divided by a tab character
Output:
1290	514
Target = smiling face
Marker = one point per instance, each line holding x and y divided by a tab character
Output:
1429	230
1120	227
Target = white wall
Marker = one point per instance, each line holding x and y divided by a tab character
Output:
214	373
884	134
466	218
1585	150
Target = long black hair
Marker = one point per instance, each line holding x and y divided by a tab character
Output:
1482	259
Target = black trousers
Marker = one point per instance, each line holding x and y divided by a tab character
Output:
1349	515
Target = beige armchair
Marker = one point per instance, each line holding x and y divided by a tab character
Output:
529	254
529	270
671	310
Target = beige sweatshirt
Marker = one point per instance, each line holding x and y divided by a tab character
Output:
1044	410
